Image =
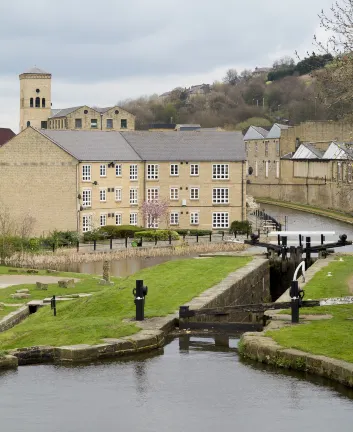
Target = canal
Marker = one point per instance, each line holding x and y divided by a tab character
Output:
186	387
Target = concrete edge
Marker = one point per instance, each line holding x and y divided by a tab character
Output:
264	349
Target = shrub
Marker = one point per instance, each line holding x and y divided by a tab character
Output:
61	238
120	231
182	232
240	227
151	235
200	233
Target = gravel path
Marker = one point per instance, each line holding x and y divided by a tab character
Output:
10	280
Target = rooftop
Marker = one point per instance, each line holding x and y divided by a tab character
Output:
35	70
5	135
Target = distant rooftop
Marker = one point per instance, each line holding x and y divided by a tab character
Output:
5	135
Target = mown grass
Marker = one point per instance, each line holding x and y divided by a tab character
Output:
333	337
90	319
5	310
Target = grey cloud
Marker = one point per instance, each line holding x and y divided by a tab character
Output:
112	39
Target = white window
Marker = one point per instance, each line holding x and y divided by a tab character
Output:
103	219
194	218
277	169
118	219
220	196
194	169
133	172
118	194
133	196
266	169
133	219
118	170
339	171
86	172
220	171
220	220
174	169
174	218
152	194
103	195
86	198
256	169
174	193
86	223
103	170
152	172
152	223
194	193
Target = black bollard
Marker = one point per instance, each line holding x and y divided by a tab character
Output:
94	245
126	239
111	243
295	301
197	237
53	305
140	292
210	237
308	252
322	239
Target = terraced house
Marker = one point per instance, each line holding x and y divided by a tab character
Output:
77	180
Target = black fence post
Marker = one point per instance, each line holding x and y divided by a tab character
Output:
140	292
222	235
155	240
300	240
94	245
322	239
197	237
126	238
78	246
235	233
111	243
279	240
210	237
53	304
307	251
170	238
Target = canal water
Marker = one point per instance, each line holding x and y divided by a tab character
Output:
188	386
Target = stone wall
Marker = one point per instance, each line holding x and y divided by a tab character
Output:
249	284
14	318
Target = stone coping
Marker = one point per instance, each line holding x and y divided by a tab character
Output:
264	349
151	336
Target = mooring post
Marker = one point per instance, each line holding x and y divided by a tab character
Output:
294	293
140	292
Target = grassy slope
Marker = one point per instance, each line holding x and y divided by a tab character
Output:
340	216
332	338
89	320
6	310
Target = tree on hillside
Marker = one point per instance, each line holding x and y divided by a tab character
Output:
231	77
283	63
335	80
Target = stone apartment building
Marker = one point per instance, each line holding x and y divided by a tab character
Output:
36	109
77	180
263	155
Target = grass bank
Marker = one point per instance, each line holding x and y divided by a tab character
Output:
333	337
103	315
332	214
5	310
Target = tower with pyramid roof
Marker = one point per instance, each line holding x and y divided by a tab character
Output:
35	98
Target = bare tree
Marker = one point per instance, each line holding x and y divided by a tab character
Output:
231	77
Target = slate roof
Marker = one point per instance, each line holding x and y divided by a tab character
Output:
275	132
187	146
260	133
35	70
93	145
5	135
64	112
308	151
151	146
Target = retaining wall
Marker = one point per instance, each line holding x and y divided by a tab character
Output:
14	318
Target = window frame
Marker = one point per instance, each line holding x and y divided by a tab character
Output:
133	196
151	192
103	217
198	193
88	176
220	195
118	193
116	216
133	172
103	170
172	191
94	125
192	167
86	201
217	221
135	215
78	120
122	122
106	123
174	170
118	167
153	174
103	195
174	218
86	227
192	215
220	171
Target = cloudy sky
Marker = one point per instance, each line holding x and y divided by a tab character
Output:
103	51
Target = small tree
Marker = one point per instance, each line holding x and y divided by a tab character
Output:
153	211
231	77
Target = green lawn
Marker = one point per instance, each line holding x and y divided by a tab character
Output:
333	337
5	310
90	319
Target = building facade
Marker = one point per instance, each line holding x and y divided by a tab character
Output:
36	109
79	180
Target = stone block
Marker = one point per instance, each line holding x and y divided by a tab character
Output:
41	286
67	283
20	296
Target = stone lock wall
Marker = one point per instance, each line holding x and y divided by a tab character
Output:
14	318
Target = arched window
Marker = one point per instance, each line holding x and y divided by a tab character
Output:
28	123
43	102
37	102
31	102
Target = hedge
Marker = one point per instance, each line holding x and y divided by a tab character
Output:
200	233
119	231
160	234
240	227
